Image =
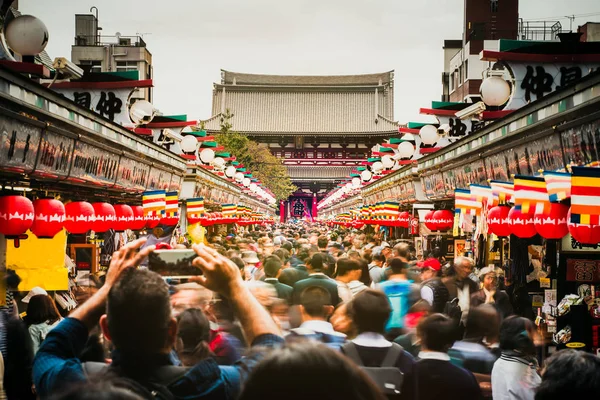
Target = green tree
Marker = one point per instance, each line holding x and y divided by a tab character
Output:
257	158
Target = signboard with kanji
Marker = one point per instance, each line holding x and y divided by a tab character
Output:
583	270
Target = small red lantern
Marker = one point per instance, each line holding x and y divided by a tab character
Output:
152	221
79	217
124	217
104	217
139	222
49	218
498	221
552	224
430	221
404	219
522	225
16	215
584	234
444	219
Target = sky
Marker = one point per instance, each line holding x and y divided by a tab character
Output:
192	40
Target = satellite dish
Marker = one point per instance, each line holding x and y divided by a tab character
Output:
141	112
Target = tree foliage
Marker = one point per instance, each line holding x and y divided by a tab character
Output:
256	158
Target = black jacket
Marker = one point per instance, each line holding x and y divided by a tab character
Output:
437	379
501	302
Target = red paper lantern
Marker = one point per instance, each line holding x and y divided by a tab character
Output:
104	217
498	221
49	218
430	221
139	222
584	234
79	217
152	221
16	215
522	225
552	224
124	217
444	219
404	219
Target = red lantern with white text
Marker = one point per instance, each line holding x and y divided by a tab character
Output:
404	219
139	222
16	215
498	221
79	217
584	234
49	218
552	224
522	225
430	221
444	219
104	217
124	217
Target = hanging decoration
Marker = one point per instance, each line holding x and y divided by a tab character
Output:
583	233
552	224
49	218
139	222
79	217
498	221
195	209
16	215
521	225
125	218
153	203
104	217
404	219
430	222
171	215
444	219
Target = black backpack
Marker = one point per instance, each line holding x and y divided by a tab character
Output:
387	377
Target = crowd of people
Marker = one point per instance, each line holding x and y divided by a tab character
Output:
296	312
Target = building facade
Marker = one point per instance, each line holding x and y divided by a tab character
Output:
321	126
95	53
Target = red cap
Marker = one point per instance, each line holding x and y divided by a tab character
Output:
432	263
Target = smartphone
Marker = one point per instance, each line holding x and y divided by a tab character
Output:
176	263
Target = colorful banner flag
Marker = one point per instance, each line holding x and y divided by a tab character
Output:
195	208
481	194
154	203
585	196
502	192
171	204
558	185
531	194
465	202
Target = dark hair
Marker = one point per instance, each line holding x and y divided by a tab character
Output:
287	246
570	374
514	335
322	242
272	266
482	322
345	265
370	311
42	309
365	277
317	262
397	266
12	279
107	388
436	332
289	276
378	257
314	299
305	370
139	312
283	255
239	262
402	250
193	329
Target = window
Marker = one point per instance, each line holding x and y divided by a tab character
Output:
124	66
466	69
494	5
93	66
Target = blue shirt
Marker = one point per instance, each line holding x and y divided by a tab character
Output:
398	293
56	365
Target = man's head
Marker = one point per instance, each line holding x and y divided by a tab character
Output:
353	254
489	278
483	322
370	311
463	266
386	250
430	268
138	318
436	333
570	374
317	263
402	251
272	266
398	266
348	269
250	257
322	242
315	303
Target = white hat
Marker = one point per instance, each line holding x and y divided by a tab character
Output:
487	270
34	292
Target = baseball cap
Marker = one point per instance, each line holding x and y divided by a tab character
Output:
34	292
431	263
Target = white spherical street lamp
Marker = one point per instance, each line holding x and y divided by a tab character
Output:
188	144
230	171
26	35
494	91
429	134
387	161
366	175
239	177
405	150
207	155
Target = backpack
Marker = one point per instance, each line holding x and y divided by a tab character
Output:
387	377
155	387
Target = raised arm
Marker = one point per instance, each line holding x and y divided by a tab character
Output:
222	276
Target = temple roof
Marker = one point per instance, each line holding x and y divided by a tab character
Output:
237	78
320	172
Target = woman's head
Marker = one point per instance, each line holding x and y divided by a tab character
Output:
193	333
42	309
516	334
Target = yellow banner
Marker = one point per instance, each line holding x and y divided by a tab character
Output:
39	262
